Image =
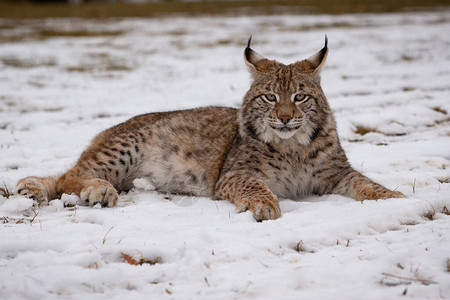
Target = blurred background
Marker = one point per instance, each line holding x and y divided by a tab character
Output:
142	8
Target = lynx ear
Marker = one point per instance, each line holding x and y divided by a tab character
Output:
255	61
315	62
318	60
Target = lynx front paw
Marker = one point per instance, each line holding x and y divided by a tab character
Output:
267	209
378	192
395	194
99	191
31	187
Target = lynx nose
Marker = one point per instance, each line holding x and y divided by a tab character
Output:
285	119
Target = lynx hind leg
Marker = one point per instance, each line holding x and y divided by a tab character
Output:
41	189
98	191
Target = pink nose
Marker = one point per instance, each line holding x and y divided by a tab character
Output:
285	119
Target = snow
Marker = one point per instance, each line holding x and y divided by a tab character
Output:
389	73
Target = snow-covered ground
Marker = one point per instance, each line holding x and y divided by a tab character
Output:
387	79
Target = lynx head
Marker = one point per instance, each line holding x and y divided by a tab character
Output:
285	102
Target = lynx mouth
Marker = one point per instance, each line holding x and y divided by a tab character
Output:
284	132
284	128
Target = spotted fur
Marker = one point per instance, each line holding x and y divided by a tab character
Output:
282	142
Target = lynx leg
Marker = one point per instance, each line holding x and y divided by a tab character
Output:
359	187
90	190
249	194
41	189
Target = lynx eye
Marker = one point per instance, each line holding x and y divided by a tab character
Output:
270	97
299	98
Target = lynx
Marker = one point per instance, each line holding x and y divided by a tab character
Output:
282	143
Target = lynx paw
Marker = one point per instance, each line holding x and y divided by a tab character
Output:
31	187
99	191
395	194
267	209
371	193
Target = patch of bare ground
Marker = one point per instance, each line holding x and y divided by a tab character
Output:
363	130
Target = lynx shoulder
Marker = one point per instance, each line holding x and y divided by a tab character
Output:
282	142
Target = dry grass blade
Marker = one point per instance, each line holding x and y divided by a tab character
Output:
445	211
104	238
430	213
34	217
4	191
423	281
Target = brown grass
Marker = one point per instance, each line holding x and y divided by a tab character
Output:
27	63
42	34
408	89
5	191
333	25
362	130
440	110
429	215
432	212
13	220
24	9
89	68
48	33
130	260
12	39
101	62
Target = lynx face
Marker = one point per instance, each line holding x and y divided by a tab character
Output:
286	116
285	101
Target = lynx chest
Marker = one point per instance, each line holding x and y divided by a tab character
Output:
289	177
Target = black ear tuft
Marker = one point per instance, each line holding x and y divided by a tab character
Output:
248	51
249	41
